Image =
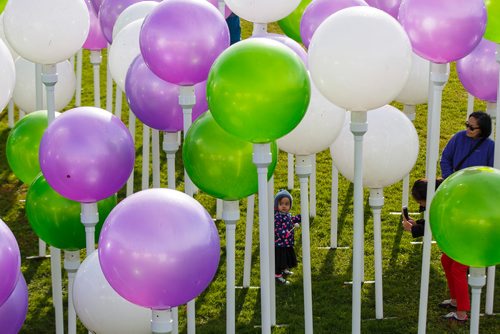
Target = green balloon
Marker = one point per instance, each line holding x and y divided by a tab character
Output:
2	5
465	216
219	163
291	24
23	143
56	219
258	90
493	23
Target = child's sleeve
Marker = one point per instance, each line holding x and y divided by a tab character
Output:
297	219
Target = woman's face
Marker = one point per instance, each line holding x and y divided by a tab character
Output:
473	130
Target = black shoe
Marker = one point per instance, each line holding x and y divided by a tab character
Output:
447	305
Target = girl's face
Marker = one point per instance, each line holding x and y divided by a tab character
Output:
284	204
473	130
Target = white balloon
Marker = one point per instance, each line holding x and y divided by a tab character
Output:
123	51
360	58
136	11
390	148
317	130
100	308
25	89
416	89
262	11
4	39
48	31
7	75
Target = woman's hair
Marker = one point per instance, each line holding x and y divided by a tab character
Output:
419	189
483	121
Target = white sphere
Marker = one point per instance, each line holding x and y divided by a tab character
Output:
390	148
262	11
7	75
48	31
416	89
123	51
100	308
136	11
317	130
25	89
4	39
360	58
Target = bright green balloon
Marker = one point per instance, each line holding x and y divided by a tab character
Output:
2	5
219	163
465	216
258	90
291	24
23	143
56	220
493	23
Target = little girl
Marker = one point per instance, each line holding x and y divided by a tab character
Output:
284	225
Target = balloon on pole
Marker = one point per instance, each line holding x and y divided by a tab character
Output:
492	32
295	46
108	13
136	11
262	11
389	6
416	89
95	40
13	311
10	262
8	75
291	24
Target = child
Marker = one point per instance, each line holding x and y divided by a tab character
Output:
284	225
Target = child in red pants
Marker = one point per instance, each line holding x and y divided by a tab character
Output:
456	275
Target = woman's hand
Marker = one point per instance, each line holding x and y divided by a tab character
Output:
408	224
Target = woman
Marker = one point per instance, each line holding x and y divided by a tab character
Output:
468	148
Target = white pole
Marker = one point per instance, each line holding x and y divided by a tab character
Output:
96	60
118	103
247	265
490	287
155	148
90	217
477	279
303	168
109	87
376	201
230	215
491	108
71	264
218	209
359	126
259	29
470	105
334	208
170	146
291	175
410	112
262	158
272	281
439	77
10	119
21	114
312	205
161	321
145	156
78	89
131	128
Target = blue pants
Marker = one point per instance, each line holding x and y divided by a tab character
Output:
233	22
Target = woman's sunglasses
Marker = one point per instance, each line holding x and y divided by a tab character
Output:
468	126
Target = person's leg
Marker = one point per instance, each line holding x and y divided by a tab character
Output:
447	262
233	22
459	273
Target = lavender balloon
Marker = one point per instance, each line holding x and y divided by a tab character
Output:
13	311
320	10
155	101
479	70
389	6
10	262
96	4
159	248
95	40
180	39
443	31
86	154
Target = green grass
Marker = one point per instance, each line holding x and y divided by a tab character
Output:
330	268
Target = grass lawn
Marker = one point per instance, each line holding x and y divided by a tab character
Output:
330	268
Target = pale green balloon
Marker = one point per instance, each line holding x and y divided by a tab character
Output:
291	24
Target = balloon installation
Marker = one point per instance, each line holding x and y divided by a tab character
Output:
276	95
389	6
155	101
172	45
8	75
95	40
23	143
291	24
10	262
478	71
87	154
457	27
56	220
492	32
262	11
13	311
464	216
219	163
175	250
416	89
108	13
136	11
296	47
100	308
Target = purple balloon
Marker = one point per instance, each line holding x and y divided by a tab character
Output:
96	4
95	40
320	10
443	31
109	12
227	11
86	154
180	39
156	102
296	47
13	311
479	71
389	6
10	262
159	248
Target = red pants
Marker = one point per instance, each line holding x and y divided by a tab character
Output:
456	275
